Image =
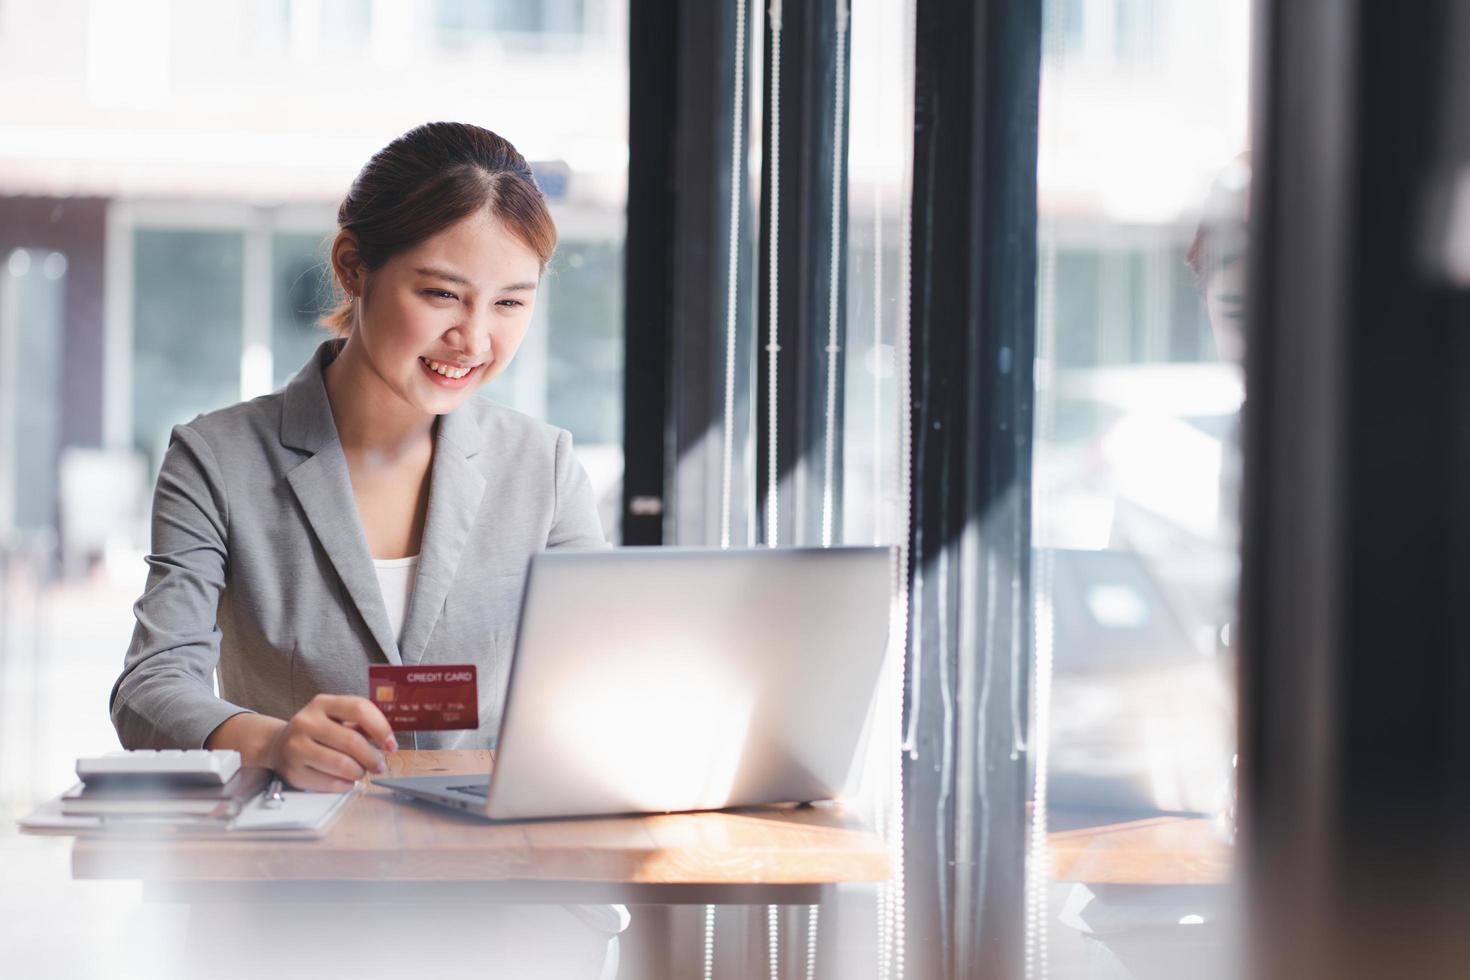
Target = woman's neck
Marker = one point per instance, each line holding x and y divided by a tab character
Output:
371	419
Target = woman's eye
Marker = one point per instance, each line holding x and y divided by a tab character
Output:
439	294
510	303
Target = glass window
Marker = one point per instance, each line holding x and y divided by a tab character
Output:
1135	484
345	24
30	370
584	368
878	189
1122	306
187	295
300	291
1135	31
463	19
1065	30
268	32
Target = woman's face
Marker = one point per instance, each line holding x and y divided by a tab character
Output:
1225	305
441	319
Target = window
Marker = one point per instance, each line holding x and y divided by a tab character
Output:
345	24
877	193
462	21
32	284
300	291
187	339
585	359
1136	477
1135	29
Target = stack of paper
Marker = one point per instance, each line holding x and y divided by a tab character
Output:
150	800
299	815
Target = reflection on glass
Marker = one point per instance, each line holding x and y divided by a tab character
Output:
1136	489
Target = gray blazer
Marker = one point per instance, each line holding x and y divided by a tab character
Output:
260	569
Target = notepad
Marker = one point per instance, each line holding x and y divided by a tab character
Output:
144	797
299	812
303	816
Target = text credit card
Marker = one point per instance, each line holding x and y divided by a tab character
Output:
426	699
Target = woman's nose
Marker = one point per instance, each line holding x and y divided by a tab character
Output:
472	338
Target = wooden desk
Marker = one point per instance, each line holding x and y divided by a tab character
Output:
384	842
1155	851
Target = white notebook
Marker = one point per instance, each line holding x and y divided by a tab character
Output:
303	815
301	811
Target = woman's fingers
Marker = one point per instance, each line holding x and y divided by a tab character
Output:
349	742
329	761
309	766
326	744
362	713
308	778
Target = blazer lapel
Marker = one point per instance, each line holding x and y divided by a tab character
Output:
324	490
456	488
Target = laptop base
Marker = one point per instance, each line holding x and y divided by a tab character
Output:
463	792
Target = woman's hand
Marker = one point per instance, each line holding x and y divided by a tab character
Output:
331	743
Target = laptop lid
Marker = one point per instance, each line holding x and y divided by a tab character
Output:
659	679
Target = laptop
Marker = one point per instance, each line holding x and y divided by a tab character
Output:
653	680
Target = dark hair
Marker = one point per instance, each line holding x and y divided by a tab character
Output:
426	180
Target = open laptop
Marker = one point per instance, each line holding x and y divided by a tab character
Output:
649	680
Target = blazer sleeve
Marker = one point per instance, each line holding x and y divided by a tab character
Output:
165	696
575	524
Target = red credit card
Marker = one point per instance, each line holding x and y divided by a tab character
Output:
437	697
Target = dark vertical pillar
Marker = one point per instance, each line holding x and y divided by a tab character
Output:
680	173
649	272
705	173
1356	545
973	326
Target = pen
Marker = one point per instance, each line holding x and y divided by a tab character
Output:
274	798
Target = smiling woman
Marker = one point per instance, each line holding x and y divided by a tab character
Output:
441	242
301	537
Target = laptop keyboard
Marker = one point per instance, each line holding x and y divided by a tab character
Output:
474	789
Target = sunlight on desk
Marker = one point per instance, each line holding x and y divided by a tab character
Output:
1156	851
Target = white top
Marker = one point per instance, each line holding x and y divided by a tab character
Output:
395	578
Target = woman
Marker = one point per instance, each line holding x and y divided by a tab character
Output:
372	511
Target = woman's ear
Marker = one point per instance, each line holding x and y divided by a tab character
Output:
347	262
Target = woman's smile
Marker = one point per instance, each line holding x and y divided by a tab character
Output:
447	375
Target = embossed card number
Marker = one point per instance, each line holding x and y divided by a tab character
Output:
426	699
